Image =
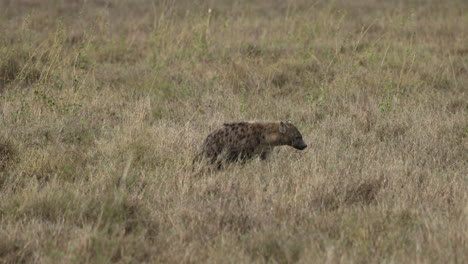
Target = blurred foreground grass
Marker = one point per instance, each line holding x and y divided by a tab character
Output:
104	103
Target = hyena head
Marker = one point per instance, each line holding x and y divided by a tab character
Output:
291	135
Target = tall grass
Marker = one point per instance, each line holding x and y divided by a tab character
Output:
103	105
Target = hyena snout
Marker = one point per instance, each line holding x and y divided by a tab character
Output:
299	144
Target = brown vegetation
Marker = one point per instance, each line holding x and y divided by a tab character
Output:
103	105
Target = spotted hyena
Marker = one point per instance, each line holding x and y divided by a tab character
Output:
245	140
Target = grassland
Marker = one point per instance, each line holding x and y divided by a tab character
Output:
103	105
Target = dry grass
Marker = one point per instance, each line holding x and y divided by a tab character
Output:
104	103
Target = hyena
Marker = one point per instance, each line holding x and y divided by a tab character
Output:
245	140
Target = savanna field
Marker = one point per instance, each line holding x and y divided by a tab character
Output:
104	104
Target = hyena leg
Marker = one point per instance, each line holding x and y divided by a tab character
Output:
245	155
265	154
232	156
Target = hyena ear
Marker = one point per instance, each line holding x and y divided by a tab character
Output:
282	127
